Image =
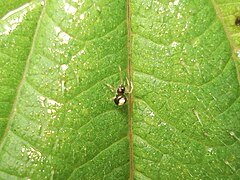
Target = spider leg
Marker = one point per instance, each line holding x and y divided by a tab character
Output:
120	73
130	86
110	87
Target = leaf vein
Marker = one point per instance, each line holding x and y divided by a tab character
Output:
22	81
99	153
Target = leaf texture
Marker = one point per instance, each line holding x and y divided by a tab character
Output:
59	70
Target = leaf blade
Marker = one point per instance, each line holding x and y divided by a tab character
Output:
180	59
66	125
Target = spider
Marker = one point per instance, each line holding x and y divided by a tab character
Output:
120	98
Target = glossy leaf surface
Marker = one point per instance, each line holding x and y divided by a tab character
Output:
59	70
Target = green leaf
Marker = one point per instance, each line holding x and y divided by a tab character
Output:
186	111
59	59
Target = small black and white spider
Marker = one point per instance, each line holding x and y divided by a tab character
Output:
120	98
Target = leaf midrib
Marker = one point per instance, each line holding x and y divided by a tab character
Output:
232	44
130	104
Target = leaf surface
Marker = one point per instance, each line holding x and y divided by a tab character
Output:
59	59
186	98
58	119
